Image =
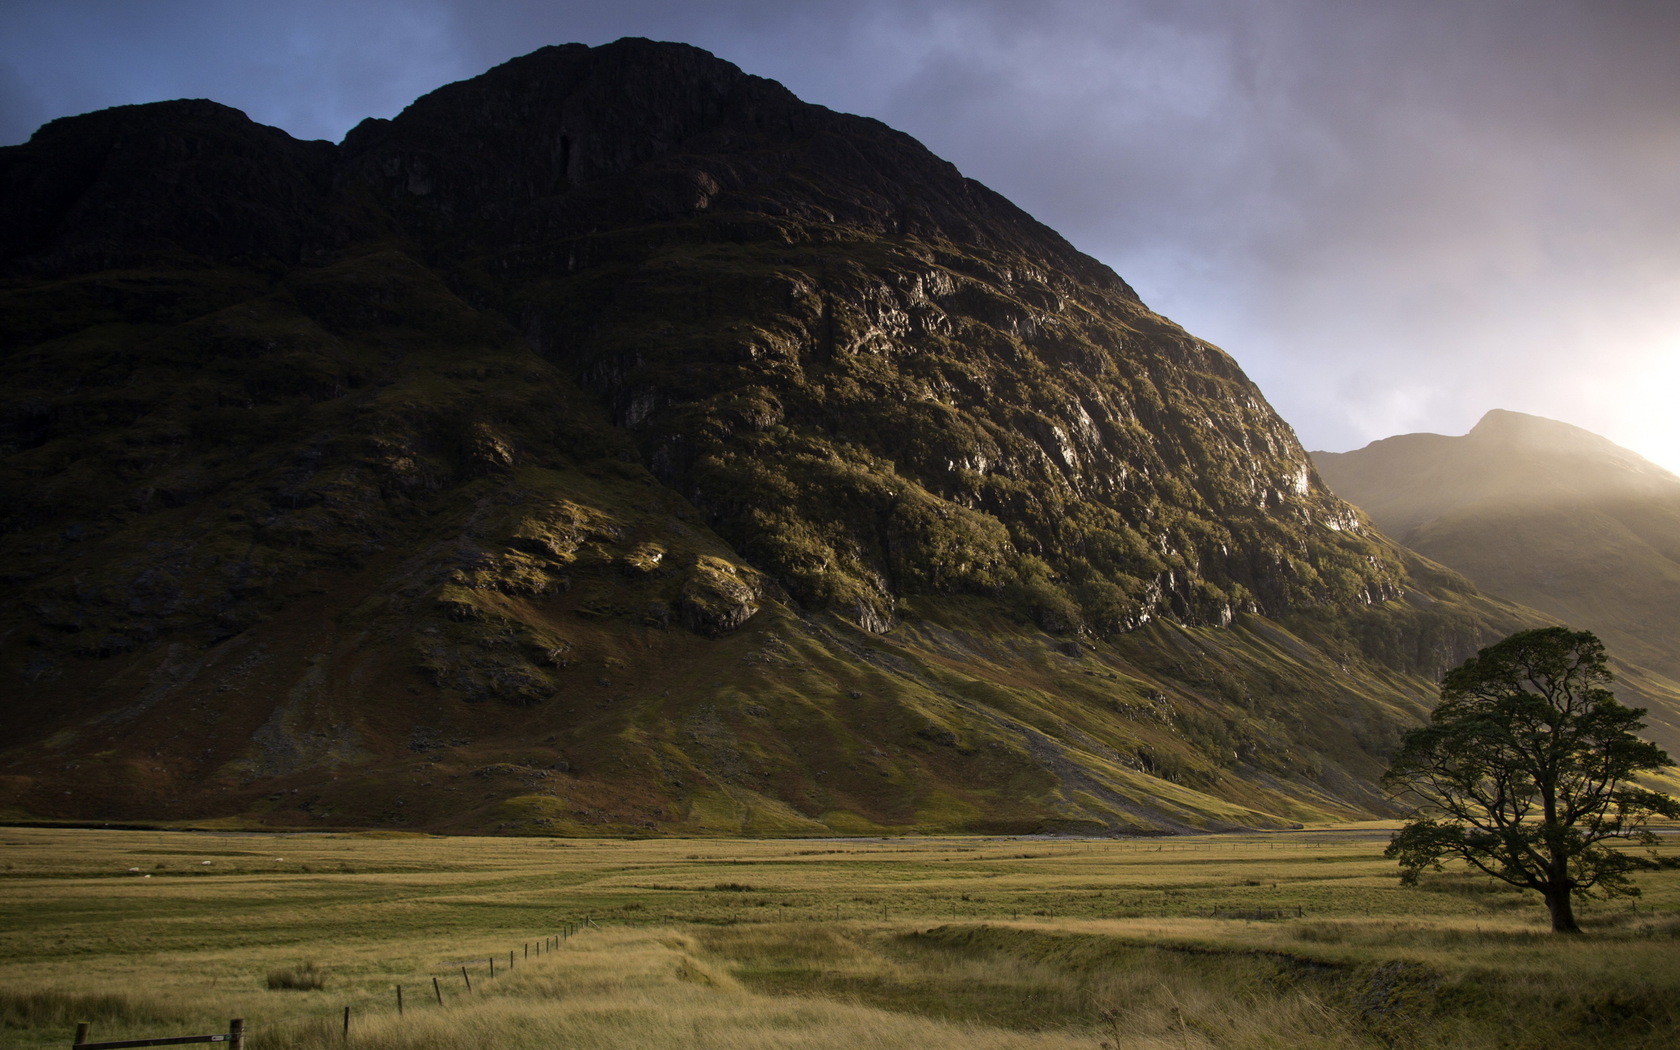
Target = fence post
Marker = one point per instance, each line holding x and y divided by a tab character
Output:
399	1000
82	1033
347	1021
236	1033
492	966
465	977
437	990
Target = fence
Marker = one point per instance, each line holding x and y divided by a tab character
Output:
237	1029
235	1036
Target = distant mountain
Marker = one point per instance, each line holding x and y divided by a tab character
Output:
613	442
1547	514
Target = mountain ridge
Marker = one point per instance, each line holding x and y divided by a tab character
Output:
556	454
1548	514
1560	460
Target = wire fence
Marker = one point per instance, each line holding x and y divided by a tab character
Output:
453	980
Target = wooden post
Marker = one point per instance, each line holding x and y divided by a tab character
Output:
492	966
236	1033
346	1022
466	978
399	1000
82	1033
437	990
510	958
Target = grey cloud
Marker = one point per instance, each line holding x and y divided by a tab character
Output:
1394	215
21	110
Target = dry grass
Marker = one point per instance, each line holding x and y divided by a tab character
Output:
855	943
305	977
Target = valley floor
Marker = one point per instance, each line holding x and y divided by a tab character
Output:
1301	939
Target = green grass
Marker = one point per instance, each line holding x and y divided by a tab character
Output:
881	942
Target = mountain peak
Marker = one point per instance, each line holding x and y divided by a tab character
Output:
1549	514
1405	480
615	414
1503	420
1552	446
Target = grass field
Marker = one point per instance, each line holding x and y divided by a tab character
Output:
1299	940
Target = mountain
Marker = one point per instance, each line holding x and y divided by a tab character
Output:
613	442
1547	514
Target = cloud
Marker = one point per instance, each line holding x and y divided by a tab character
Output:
1395	216
20	107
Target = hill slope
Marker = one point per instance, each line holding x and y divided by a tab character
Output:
613	440
1549	515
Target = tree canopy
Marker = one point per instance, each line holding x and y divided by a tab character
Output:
1523	773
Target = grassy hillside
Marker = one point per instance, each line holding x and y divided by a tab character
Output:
961	719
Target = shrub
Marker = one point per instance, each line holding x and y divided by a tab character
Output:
302	978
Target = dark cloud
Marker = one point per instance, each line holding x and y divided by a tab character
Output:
19	105
1395	215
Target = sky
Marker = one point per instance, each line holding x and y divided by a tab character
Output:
1395	214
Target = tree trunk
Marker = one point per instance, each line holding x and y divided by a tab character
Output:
1562	907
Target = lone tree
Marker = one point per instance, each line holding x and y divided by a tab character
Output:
1522	773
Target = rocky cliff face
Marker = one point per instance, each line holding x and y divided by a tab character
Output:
600	366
